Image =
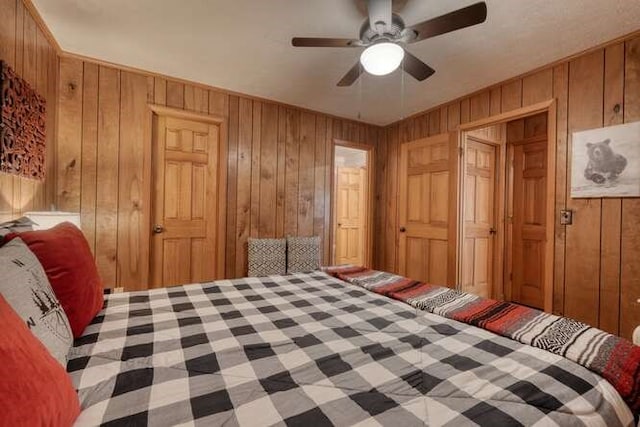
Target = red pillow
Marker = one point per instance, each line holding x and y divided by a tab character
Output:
64	253
35	389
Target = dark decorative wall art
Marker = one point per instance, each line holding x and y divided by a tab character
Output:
22	126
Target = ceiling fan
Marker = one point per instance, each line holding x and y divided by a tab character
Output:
384	35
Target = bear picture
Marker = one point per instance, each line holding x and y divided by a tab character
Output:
606	162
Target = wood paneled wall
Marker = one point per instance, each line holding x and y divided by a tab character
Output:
25	48
597	267
279	164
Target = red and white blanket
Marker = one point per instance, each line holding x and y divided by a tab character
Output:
615	359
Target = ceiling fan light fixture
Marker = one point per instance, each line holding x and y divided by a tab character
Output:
382	58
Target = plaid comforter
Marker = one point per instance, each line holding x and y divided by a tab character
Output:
311	350
614	358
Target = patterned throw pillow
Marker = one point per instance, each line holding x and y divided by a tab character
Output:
303	254
267	257
24	285
16	226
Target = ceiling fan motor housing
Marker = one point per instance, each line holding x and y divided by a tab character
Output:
391	32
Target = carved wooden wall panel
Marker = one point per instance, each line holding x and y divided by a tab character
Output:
22	126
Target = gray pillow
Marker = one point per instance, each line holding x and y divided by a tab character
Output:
24	284
267	257
303	254
16	226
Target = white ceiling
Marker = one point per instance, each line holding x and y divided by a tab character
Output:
244	45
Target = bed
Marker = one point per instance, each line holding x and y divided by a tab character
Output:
310	349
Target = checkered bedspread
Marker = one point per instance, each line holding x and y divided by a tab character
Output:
311	350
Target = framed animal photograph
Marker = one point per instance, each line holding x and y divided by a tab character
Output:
605	162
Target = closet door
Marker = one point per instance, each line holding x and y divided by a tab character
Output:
185	210
529	223
480	226
350	215
427	209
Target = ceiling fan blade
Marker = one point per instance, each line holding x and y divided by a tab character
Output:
415	67
351	76
323	42
462	18
379	15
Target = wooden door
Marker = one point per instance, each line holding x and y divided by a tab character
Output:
185	207
480	226
529	228
427	220
351	190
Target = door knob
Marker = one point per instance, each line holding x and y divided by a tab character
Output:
493	231
402	229
157	229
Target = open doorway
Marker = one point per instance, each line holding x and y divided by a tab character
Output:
507	178
352	204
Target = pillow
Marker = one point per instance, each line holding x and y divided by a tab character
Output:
267	257
65	255
35	390
24	285
303	254
15	226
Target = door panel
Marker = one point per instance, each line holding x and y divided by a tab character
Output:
479	218
185	156
427	190
351	189
529	228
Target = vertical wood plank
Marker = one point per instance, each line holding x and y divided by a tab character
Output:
218	103
7	53
243	198
630	244
281	118
269	171
434	123
381	242
453	119
444	116
480	106
511	95
611	208
465	110
69	147
189	98
393	152
495	101
160	91
255	168
232	184
328	185
89	187
320	166
306	174
561	93
537	87
107	174
133	237
175	94
46	191
582	265
291	172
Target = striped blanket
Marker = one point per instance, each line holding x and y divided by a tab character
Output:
615	359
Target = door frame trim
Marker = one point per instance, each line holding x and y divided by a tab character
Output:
549	107
221	224
370	194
